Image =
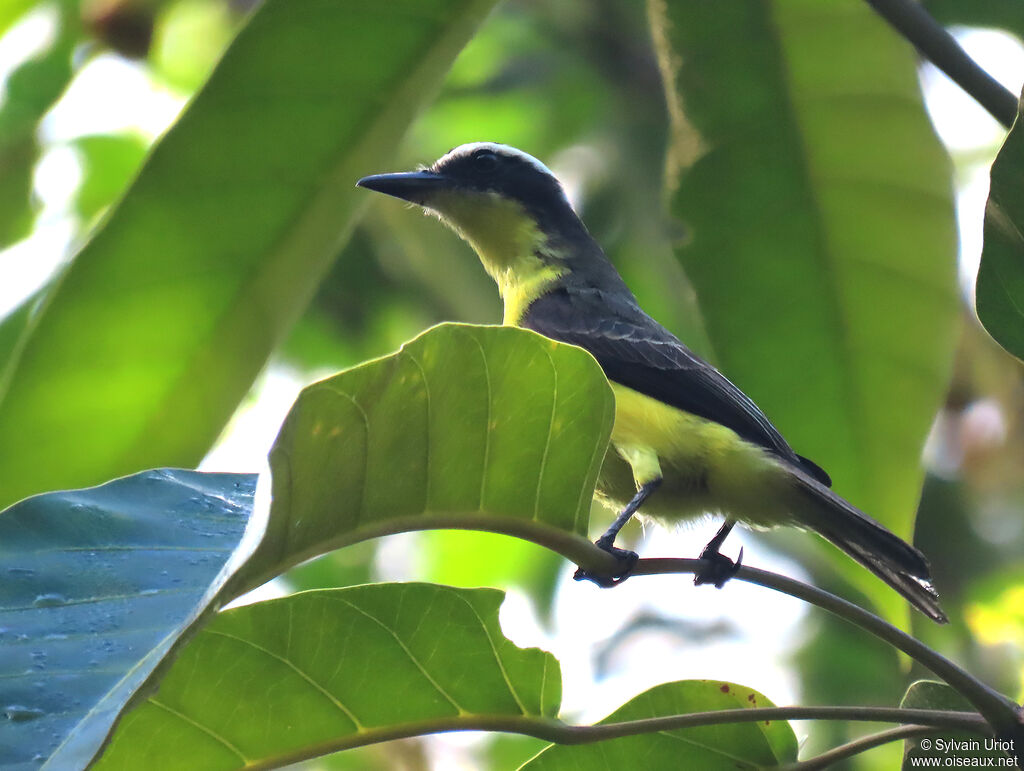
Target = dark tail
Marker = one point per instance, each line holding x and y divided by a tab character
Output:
897	563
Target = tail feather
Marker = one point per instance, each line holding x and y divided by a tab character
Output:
886	555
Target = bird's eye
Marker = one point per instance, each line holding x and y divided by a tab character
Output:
484	160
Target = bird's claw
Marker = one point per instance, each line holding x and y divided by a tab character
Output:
627	561
717	569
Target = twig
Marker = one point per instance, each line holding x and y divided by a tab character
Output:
934	718
857	746
932	40
562	733
1001	713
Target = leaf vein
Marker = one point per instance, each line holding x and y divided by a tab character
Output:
426	446
497	657
288	663
361	512
547	438
408	653
196	724
487	422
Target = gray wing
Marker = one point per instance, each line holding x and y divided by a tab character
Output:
637	352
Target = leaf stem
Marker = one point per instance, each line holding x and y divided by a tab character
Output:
1000	711
561	733
857	746
934	43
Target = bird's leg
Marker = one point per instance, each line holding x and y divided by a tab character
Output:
606	542
719	568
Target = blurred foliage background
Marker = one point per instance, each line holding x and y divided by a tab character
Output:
578	85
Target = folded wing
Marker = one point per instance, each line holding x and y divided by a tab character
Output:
637	352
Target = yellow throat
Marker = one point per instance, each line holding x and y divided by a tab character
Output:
508	242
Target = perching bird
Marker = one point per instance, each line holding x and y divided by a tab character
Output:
681	428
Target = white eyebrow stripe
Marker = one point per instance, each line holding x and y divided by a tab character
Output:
508	150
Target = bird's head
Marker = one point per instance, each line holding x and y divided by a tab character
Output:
504	202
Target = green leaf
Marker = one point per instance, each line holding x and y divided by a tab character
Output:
510	439
507	751
967	749
1000	288
467	427
309	674
188	38
821	239
465	558
931	694
995	610
343	567
109	161
765	744
28	93
12	10
1001	14
161	323
14	326
98	584
17	163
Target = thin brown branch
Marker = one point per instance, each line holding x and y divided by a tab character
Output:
1001	712
857	746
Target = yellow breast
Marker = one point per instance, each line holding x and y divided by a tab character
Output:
705	467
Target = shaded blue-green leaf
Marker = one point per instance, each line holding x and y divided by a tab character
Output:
1000	288
279	681
158	327
726	747
820	228
96	586
469	427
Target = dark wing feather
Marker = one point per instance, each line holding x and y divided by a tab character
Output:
637	352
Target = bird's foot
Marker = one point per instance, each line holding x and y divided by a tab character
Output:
717	569
627	561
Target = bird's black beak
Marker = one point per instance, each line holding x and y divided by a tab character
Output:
413	186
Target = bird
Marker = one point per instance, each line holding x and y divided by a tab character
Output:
686	443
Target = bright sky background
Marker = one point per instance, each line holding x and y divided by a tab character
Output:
113	95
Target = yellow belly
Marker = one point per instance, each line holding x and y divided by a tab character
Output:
706	468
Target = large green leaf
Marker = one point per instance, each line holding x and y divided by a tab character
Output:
278	681
467	427
1000	289
724	747
821	239
489	428
97	586
164	318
